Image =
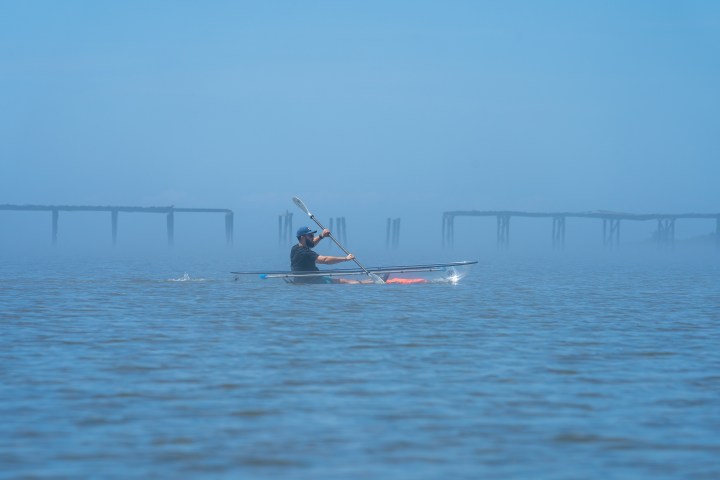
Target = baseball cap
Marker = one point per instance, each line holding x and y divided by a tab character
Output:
305	231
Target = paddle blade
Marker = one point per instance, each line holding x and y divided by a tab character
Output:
301	205
376	279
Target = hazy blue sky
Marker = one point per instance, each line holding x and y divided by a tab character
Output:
368	109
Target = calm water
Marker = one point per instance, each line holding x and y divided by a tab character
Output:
529	368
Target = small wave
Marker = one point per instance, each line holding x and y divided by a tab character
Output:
186	278
452	279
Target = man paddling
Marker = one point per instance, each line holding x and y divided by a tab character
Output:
304	259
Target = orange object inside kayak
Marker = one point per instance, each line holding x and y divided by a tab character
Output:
406	281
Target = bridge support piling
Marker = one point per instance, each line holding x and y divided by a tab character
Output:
558	235
229	228
285	228
503	231
392	235
289	226
171	229
337	228
341	227
611	232
55	216
665	236
114	221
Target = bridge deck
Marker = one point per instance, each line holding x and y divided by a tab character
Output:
115	210
611	224
600	214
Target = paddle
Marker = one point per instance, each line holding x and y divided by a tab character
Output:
302	207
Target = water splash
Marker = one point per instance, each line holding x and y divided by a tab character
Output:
186	278
453	277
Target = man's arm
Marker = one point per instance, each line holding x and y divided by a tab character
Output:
323	234
328	260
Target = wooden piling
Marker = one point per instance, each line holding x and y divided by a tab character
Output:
285	233
114	221
558	234
171	229
392	234
55	217
503	232
611	232
289	226
337	228
341	221
229	228
665	235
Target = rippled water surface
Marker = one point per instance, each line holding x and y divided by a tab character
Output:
550	368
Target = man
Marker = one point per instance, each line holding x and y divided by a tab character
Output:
304	259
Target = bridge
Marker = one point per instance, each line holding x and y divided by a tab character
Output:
611	225
116	210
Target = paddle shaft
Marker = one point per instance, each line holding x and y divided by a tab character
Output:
338	244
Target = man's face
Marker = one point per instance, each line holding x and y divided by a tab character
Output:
308	240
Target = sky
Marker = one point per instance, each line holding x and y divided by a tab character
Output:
368	110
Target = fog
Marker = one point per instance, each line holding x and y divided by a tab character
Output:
369	110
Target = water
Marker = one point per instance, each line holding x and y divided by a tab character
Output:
528	368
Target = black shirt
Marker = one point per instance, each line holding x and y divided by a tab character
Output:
302	259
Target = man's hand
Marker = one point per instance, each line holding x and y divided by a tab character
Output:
325	233
350	257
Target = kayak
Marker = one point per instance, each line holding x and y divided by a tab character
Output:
450	272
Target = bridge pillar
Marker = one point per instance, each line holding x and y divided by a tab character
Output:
229	228
666	232
55	216
503	231
285	233
342	230
289	226
392	234
611	232
171	228
337	228
558	235
114	221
